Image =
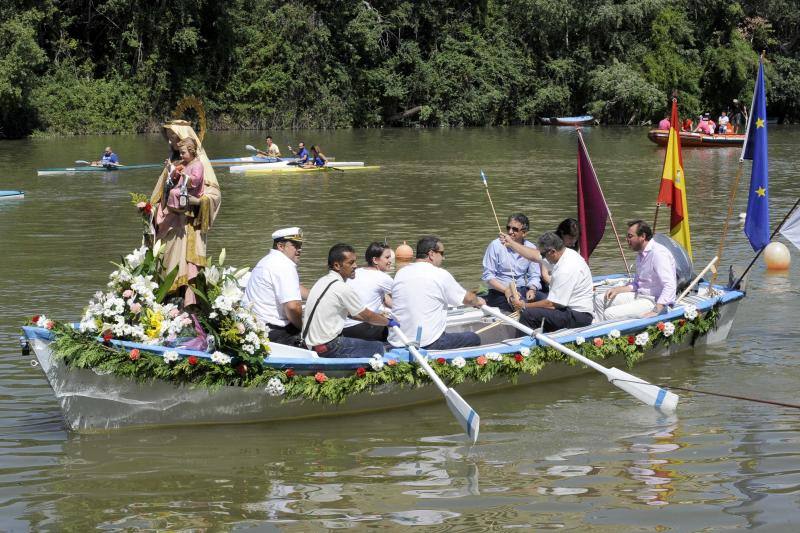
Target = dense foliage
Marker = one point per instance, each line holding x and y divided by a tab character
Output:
70	66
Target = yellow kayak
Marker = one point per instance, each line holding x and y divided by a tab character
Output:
291	169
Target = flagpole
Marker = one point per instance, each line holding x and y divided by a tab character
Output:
608	209
655	218
758	253
731	199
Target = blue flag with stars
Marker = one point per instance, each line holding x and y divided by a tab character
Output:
756	225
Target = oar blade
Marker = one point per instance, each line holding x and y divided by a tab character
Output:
466	415
645	392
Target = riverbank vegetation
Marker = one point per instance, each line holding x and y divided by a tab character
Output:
74	67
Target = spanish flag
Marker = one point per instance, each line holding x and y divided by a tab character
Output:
673	185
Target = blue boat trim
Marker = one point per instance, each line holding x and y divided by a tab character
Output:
660	398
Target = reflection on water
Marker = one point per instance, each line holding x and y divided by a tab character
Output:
577	454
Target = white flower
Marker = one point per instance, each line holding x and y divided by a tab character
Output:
494	356
252	338
212	275
376	362
220	358
171	356
136	258
669	329
221	259
213	314
642	338
614	334
579	340
690	312
275	387
41	322
459	362
525	351
158	248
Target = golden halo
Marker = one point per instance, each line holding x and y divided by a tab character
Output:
192	103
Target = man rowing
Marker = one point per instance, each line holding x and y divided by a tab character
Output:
272	149
421	293
330	302
274	291
654	285
107	159
301	155
569	302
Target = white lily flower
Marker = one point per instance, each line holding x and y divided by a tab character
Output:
222	257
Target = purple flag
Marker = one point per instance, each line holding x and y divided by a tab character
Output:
592	209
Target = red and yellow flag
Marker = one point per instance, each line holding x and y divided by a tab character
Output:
673	185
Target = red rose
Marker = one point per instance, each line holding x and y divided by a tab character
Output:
320	377
360	371
391	362
518	358
598	341
660	326
241	368
441	360
107	337
148	208
682	322
193	360
631	339
134	355
289	372
35	318
481	360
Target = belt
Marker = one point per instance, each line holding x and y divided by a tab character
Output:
326	346
275	326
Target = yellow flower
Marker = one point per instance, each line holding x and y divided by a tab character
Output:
152	323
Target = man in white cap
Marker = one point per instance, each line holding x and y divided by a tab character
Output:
274	291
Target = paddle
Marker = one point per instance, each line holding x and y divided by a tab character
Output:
108	165
82	162
652	395
465	414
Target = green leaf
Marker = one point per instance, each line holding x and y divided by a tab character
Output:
163	289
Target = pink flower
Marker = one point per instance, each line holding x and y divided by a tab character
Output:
49	324
320	377
136	308
134	355
240	328
173	313
481	360
186	321
598	341
141	205
660	326
127	293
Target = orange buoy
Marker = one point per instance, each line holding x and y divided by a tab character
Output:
776	256
404	252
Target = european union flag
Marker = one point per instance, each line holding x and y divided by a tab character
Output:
756	225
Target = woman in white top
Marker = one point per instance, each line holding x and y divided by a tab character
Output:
374	286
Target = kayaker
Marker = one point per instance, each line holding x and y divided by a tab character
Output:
272	149
301	155
107	159
504	269
569	303
654	285
274	290
317	158
373	285
421	293
330	301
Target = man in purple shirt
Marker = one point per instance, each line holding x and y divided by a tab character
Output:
653	287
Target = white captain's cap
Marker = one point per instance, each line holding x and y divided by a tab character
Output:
288	234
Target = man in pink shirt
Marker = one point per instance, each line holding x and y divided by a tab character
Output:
664	124
654	284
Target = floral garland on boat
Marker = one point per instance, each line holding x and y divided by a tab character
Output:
81	350
137	307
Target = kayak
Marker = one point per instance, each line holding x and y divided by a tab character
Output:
93	169
268	167
583	120
10	195
293	169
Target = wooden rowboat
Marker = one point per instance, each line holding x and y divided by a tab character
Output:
703	140
96	399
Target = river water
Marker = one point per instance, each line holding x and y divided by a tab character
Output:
576	454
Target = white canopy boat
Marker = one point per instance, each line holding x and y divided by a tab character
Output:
94	399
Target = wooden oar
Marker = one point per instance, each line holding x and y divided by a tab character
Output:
652	395
696	280
465	414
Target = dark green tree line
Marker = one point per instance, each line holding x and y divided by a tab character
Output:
76	66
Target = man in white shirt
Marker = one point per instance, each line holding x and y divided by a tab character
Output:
722	122
569	304
274	291
420	296
330	302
